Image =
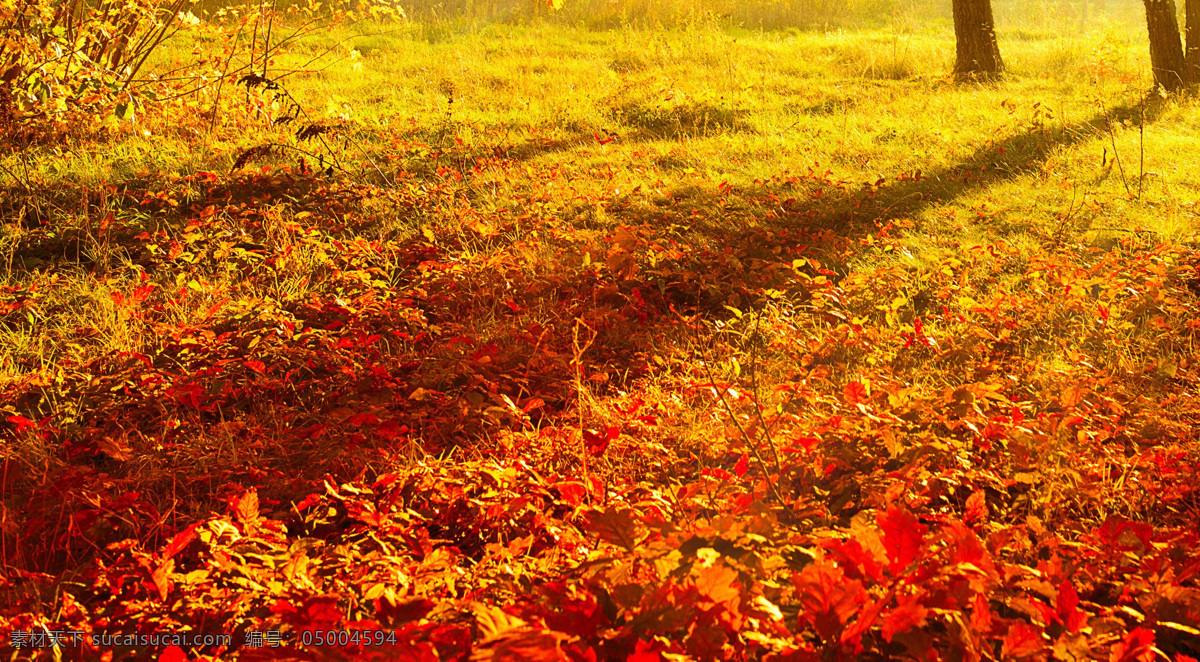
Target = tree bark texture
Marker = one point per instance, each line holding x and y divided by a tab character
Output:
1191	51
1166	51
978	54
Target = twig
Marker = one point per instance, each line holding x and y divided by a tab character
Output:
754	386
162	35
24	184
577	359
1142	147
762	465
267	38
1116	155
212	124
319	157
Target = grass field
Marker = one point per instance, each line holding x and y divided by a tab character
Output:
707	342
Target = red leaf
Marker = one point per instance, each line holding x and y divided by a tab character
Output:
742	466
1067	607
257	366
21	422
827	598
595	443
908	614
1137	646
1126	536
389	429
643	655
902	537
118	298
360	420
140	294
180	540
308	502
716	472
572	491
806	445
1022	640
856	560
855	393
981	615
399	613
173	654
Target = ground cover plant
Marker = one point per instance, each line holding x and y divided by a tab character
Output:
650	338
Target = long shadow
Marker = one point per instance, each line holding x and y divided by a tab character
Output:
1000	161
814	202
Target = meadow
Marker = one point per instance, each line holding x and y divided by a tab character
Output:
540	340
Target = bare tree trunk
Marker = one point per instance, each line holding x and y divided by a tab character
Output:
1166	51
1192	41
978	54
1083	17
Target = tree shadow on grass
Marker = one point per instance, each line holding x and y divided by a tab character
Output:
999	161
816	202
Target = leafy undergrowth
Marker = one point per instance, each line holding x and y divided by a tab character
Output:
504	436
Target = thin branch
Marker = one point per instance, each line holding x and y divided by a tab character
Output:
757	405
749	442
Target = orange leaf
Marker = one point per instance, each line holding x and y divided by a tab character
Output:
977	510
1022	640
162	578
855	393
719	583
615	525
572	491
245	507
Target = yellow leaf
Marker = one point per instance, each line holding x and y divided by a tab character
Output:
428	233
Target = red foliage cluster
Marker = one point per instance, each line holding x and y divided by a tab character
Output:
844	509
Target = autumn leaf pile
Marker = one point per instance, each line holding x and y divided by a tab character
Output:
579	428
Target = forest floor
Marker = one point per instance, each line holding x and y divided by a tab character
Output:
538	343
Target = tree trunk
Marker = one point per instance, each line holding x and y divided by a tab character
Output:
978	54
1192	49
1166	51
